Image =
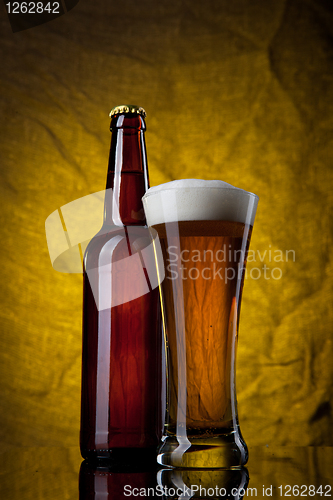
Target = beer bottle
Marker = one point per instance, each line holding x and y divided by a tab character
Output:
121	359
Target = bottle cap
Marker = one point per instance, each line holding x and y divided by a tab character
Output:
128	109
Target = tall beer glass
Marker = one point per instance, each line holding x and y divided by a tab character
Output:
204	229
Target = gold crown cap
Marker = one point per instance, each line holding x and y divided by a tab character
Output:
128	108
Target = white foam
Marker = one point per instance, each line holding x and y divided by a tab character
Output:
190	183
197	199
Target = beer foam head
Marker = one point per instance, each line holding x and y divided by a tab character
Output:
196	199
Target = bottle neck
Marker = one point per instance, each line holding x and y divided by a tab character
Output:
127	179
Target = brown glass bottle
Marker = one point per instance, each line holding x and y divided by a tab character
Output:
121	360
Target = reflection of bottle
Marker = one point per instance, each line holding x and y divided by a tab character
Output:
121	362
101	482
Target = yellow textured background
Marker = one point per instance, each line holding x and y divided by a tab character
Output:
234	90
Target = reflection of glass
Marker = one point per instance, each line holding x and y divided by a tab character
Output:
199	483
99	482
204	231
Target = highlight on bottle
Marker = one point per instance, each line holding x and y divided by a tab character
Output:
69	231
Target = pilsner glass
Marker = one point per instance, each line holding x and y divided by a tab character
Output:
204	228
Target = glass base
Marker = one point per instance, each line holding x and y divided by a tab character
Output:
219	452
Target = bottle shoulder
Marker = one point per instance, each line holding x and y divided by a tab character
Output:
113	243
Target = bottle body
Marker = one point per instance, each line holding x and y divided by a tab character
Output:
122	341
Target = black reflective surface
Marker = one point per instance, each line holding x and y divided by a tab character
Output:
59	473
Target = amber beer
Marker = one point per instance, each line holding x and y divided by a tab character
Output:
204	237
206	261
